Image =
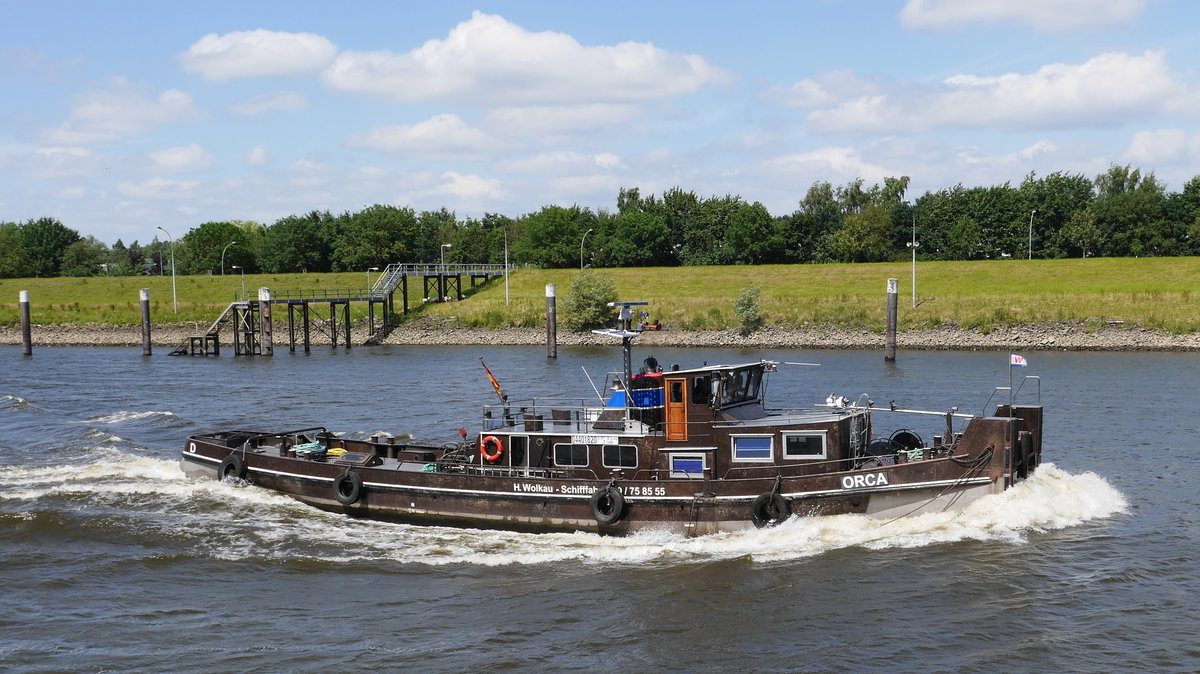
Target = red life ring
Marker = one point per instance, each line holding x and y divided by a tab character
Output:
491	457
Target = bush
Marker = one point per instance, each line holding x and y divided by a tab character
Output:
747	310
586	306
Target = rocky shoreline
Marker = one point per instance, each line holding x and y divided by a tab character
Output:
1057	337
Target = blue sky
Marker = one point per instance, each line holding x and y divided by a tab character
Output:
120	117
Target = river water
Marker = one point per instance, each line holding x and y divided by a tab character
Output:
112	560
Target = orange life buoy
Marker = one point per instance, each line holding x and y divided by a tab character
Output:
492	457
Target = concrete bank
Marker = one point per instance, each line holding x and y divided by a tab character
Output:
1059	336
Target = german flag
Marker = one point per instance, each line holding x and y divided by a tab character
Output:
492	378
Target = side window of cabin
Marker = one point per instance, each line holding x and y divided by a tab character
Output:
573	454
807	445
753	447
687	466
620	456
701	390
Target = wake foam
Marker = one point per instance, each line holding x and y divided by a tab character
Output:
236	521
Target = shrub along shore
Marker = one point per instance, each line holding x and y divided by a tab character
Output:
1064	336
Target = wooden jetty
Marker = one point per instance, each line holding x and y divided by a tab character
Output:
327	311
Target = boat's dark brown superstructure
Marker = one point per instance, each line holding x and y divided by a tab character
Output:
691	450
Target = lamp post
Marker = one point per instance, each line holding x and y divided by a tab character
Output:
443	251
1031	214
243	279
506	266
223	256
174	297
369	270
581	240
913	245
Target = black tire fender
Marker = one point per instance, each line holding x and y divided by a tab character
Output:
347	487
232	466
769	509
607	505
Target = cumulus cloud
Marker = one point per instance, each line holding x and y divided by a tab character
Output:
181	159
158	188
487	60
261	105
469	187
1048	15
1162	146
442	137
104	116
844	162
257	53
257	156
563	163
1108	90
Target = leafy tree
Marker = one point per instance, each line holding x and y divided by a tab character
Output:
552	236
750	238
433	229
202	246
14	259
374	237
863	236
586	305
637	239
44	241
1082	232
84	257
1128	211
297	243
747	310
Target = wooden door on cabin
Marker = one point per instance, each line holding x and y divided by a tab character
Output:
676	409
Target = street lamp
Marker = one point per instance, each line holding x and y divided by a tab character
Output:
243	278
174	297
443	251
1031	214
913	245
369	270
223	256
581	240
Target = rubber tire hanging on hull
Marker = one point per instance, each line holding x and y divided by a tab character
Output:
769	509
607	505
347	487
232	466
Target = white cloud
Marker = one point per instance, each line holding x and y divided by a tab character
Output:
469	187
158	188
181	159
843	162
261	105
442	137
562	163
257	156
1108	90
550	121
487	60
105	116
1162	146
1049	15
823	91
257	53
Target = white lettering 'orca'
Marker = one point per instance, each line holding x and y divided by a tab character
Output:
868	480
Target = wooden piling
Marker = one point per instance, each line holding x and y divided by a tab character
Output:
144	295
26	331
889	346
551	323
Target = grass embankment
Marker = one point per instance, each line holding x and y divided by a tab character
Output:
1154	293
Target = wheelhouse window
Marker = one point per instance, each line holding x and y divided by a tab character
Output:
804	445
741	385
620	456
753	447
701	390
687	466
573	454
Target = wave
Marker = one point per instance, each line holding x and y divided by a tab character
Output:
236	521
125	416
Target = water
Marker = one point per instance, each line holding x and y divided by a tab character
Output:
112	560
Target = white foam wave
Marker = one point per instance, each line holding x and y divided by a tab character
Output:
238	521
125	416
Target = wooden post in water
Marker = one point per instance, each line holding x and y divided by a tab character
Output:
889	346
551	323
26	333
144	295
266	343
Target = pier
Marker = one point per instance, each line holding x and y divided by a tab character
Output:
327	311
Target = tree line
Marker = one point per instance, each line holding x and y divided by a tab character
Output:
1122	212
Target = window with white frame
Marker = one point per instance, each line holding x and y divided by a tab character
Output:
687	466
753	447
804	445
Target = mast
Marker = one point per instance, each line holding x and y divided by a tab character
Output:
625	332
